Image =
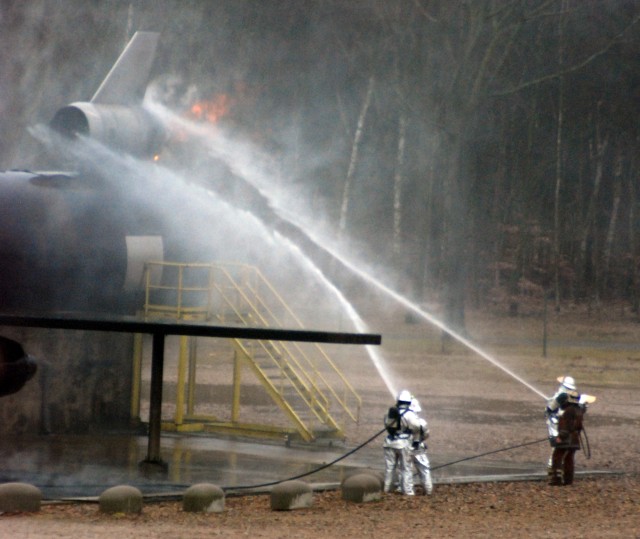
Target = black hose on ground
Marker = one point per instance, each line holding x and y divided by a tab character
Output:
584	443
324	466
357	448
490	453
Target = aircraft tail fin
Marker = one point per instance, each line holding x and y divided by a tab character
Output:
127	80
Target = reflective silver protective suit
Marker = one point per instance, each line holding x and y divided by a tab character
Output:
407	450
397	457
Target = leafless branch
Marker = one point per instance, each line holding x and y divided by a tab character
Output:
571	69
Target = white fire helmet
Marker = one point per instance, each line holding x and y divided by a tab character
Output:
567	382
405	397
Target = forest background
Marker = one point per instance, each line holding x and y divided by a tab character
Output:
484	151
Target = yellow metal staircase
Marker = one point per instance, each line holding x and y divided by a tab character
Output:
300	378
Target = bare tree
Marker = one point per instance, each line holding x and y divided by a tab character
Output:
558	182
397	185
353	161
615	210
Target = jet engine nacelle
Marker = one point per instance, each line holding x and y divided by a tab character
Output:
133	130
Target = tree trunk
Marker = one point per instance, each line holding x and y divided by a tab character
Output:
556	197
633	247
397	186
597	151
429	261
346	192
455	218
617	193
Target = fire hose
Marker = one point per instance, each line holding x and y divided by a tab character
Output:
584	443
363	444
491	452
315	470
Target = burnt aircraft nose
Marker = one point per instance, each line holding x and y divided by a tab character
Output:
16	367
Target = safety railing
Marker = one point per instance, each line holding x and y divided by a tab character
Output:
242	291
177	290
300	377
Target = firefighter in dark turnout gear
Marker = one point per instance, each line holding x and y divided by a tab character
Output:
564	413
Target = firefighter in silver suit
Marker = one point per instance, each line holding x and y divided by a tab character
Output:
399	423
419	456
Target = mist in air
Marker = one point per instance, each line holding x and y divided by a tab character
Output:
370	125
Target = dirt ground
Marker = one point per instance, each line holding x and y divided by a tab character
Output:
598	508
473	406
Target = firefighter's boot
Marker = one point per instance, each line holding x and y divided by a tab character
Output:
555	478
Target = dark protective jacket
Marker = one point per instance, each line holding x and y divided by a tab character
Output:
569	425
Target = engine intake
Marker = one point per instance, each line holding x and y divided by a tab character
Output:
130	129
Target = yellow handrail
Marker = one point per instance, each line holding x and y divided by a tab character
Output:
267	317
241	291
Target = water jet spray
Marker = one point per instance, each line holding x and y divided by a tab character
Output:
375	356
284	220
427	316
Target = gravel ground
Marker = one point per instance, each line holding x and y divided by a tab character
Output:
597	508
472	408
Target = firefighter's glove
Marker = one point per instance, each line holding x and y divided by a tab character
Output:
416	445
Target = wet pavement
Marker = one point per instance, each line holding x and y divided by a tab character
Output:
83	466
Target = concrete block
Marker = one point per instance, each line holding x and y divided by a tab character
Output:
19	498
291	495
375	473
121	499
203	498
362	488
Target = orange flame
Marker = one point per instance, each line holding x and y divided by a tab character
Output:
211	110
